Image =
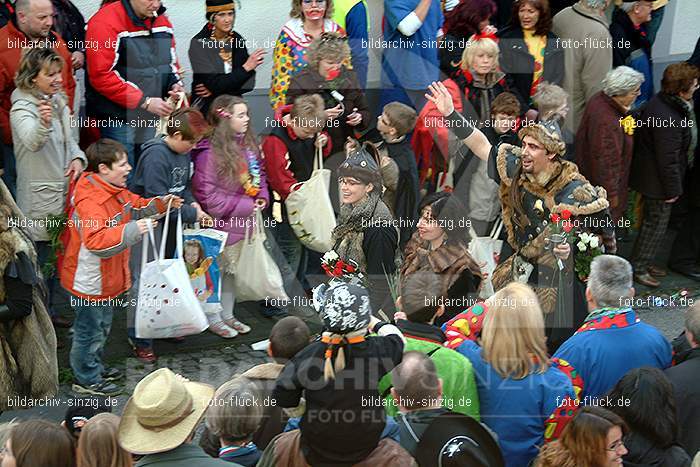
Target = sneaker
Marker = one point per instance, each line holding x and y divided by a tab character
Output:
221	329
103	388
242	328
145	354
111	374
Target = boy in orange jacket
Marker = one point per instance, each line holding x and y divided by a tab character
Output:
107	220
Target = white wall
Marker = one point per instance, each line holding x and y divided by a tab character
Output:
258	21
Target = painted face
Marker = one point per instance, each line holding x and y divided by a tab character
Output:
534	156
503	123
428	227
615	447
50	79
117	174
313	9
145	8
352	190
191	255
37	21
8	459
483	63
240	118
223	21
326	66
528	15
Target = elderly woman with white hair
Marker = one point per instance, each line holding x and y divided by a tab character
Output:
604	140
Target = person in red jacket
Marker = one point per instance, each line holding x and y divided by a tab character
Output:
107	220
31	27
131	70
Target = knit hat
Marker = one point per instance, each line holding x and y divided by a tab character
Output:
344	307
548	134
217	6
361	163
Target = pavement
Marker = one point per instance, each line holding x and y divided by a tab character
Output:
214	360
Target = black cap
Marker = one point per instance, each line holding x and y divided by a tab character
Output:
82	409
456	440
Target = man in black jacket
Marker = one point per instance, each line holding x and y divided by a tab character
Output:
662	148
6	11
685	377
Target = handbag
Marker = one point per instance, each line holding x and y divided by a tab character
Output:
309	208
162	125
485	251
257	276
167	305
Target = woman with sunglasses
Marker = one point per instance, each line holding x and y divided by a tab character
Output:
593	438
219	56
308	20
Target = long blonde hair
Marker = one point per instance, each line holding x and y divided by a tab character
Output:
98	446
512	338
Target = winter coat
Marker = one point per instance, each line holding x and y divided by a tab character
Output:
684	378
224	200
185	455
28	364
519	66
641	452
661	151
135	59
43	156
11	42
309	81
587	57
631	47
604	151
209	68
70	23
103	227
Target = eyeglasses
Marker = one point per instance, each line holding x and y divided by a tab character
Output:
317	2
614	447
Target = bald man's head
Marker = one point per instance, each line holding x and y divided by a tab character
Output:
35	18
415	382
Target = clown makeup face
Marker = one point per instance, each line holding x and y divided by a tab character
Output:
534	157
313	10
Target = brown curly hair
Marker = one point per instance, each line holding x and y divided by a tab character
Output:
544	22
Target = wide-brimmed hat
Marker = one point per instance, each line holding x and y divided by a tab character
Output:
456	439
162	413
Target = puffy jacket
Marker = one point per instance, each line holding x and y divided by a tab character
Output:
131	59
101	230
11	43
43	155
226	202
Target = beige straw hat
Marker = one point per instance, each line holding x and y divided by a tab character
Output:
163	411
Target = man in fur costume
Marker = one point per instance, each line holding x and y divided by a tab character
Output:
28	364
535	182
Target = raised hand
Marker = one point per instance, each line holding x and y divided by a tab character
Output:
440	96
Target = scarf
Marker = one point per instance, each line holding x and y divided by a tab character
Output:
606	318
349	234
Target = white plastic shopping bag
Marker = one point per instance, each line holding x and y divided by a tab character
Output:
309	208
485	251
257	276
167	305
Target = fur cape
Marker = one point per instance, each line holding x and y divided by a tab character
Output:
28	363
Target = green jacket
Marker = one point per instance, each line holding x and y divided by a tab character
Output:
185	455
459	392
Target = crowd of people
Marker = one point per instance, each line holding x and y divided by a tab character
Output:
472	303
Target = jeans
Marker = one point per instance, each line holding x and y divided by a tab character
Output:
132	139
9	175
90	331
294	258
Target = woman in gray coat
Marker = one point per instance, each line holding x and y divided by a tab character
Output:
46	152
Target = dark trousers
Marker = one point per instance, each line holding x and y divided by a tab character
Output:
655	216
685	253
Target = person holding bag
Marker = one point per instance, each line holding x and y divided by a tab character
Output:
229	183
